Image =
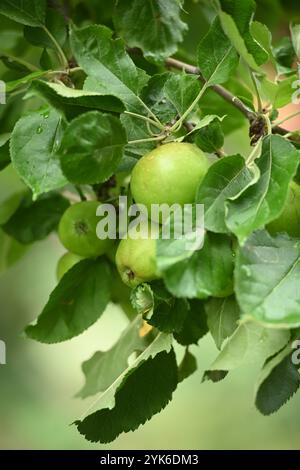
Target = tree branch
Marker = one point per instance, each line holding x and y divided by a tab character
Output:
221	91
225	94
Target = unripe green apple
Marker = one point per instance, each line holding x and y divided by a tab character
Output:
66	262
289	219
136	259
77	230
120	294
168	174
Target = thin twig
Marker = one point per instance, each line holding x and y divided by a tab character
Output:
20	61
255	152
259	102
220	153
151	139
60	52
178	123
155	118
225	94
220	90
145	118
80	192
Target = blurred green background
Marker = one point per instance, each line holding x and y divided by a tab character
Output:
38	383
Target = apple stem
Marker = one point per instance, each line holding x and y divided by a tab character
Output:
145	118
180	121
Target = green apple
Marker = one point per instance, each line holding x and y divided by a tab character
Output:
120	294
136	259
168	174
66	262
77	230
289	219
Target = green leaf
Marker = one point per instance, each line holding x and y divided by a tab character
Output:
12	63
278	93
250	343
214	375
103	368
136	129
210	138
172	249
28	12
34	143
71	101
105	61
170	318
35	220
226	178
9	206
153	26
295	35
4	150
159	308
10	251
278	382
217	58
154	95
11	86
204	125
10	38
284	54
242	14
194	326
181	90
187	366
46	61
207	272
54	23
141	391
263	36
263	201
236	39
222	317
267	276
92	148
75	304
126	165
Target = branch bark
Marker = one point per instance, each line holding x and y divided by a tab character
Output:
220	90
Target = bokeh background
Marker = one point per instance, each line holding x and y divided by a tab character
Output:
38	384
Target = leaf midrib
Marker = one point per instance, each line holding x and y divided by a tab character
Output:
120	378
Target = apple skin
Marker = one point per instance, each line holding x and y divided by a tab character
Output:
77	230
168	174
66	262
289	219
120	294
136	260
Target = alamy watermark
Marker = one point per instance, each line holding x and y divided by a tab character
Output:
2	92
296	353
162	221
2	353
